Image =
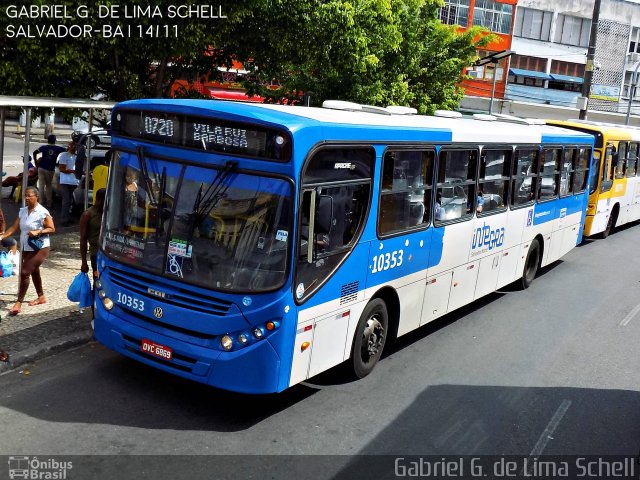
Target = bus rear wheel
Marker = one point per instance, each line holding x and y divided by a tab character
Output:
531	264
370	338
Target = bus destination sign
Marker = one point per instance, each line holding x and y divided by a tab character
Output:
211	135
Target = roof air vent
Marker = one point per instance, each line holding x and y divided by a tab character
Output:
400	110
447	114
484	117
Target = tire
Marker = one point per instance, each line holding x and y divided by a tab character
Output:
92	142
611	224
370	338
531	264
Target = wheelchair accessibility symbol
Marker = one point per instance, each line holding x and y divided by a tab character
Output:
174	265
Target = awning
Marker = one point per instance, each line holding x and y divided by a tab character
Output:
529	73
566	78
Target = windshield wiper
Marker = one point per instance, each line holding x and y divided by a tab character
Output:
145	175
160	209
207	201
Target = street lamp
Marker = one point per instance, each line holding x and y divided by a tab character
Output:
632	91
495	59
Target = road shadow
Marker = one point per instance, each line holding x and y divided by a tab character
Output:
139	396
463	420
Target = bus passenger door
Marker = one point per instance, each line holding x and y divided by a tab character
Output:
436	298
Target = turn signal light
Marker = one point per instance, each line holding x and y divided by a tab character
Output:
304	346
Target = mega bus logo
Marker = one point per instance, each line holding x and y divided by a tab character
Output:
487	238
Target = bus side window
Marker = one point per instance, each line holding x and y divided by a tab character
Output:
493	180
406	189
621	163
456	187
608	167
632	159
567	172
524	177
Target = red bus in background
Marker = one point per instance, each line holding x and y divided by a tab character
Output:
228	87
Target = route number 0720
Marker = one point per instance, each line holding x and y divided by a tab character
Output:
385	261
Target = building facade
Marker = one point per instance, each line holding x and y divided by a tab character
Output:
550	40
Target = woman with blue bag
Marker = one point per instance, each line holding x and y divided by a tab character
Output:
35	224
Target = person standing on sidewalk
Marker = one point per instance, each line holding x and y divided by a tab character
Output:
47	167
35	224
90	222
68	182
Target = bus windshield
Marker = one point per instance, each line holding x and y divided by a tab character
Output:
216	228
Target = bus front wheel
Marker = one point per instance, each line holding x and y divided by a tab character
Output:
370	337
531	264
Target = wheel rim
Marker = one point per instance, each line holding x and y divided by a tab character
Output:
372	338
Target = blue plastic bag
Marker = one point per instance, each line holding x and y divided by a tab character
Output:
6	265
80	290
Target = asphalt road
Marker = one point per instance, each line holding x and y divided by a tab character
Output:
552	370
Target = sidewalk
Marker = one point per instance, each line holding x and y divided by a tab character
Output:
44	329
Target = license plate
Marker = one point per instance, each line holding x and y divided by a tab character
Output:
147	346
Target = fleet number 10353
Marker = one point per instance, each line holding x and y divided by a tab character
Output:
131	302
385	261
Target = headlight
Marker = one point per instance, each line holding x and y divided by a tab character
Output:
226	342
243	339
108	304
102	294
98	284
258	332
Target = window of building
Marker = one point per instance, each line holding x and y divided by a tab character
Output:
532	23
407	186
629	83
455	12
524	177
572	30
493	15
455	192
634	40
486	72
567	68
526	62
493	181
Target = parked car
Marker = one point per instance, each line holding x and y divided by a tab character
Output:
99	136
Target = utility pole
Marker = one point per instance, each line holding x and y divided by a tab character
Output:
588	69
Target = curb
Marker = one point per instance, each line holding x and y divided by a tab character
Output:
44	350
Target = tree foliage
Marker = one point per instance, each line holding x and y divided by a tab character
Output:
370	51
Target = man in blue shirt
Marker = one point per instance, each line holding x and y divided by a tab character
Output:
46	167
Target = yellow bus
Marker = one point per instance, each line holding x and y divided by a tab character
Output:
614	198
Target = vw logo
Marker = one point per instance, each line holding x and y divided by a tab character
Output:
157	312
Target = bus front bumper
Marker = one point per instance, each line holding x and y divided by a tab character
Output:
254	369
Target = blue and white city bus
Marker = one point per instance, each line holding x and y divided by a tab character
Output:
251	247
